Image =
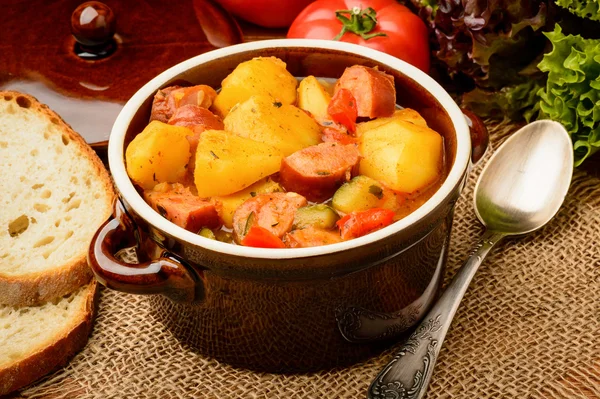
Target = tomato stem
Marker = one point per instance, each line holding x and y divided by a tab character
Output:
359	22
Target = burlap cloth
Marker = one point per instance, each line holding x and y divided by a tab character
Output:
529	327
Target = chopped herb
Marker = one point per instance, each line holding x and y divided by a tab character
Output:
376	191
154	177
253	193
274	224
214	155
326	123
323	173
162	211
277	104
249	222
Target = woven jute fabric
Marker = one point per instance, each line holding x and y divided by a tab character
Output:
529	327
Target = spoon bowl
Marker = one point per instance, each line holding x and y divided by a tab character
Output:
523	185
520	189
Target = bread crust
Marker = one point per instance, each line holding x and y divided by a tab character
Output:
35	288
52	357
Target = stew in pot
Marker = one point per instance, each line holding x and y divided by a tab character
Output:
273	161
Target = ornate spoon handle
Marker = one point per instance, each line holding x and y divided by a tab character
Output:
407	375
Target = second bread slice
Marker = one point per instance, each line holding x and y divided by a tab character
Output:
38	339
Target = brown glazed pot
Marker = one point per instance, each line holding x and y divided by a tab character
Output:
292	309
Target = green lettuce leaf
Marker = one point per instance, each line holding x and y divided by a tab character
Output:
583	8
572	92
514	102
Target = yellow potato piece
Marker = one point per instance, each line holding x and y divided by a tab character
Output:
313	97
283	126
226	163
404	156
226	205
406	114
262	75
158	154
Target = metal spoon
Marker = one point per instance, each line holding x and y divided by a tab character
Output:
519	190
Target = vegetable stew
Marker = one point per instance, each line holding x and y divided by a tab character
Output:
270	161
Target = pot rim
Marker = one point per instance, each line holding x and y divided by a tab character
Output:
136	202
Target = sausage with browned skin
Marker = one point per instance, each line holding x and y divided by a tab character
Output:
167	100
311	237
317	171
161	110
184	209
274	212
196	118
373	90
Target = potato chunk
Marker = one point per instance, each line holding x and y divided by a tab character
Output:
226	163
262	75
283	126
158	154
403	156
313	97
406	114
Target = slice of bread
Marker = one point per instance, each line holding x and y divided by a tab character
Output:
38	339
55	194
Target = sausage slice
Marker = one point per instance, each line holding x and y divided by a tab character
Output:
317	171
373	90
311	237
161	110
196	118
274	212
167	100
184	209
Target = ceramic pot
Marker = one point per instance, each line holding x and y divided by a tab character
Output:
298	308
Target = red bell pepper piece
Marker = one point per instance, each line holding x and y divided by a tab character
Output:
357	224
260	237
342	109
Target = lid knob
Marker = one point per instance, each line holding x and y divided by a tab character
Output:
93	24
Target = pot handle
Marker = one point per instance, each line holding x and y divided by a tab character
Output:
480	137
166	275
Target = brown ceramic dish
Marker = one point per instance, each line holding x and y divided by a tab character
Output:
298	308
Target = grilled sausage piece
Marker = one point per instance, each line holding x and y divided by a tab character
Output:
184	209
373	90
317	171
161	110
196	118
311	237
274	212
167	100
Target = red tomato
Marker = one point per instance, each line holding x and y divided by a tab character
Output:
267	13
260	237
342	109
357	224
383	25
